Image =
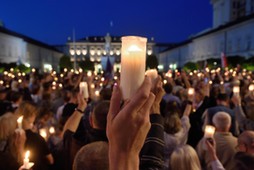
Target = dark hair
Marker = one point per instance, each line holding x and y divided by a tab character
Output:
243	161
168	88
93	156
100	113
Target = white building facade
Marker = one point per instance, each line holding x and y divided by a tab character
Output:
231	35
16	48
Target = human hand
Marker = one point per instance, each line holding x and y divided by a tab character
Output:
236	99
81	102
159	92
211	148
127	127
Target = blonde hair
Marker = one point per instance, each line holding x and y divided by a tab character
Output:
184	157
27	110
7	125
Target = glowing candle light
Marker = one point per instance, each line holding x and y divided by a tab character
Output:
222	82
60	85
165	81
191	91
169	74
53	83
152	73
20	81
1	82
210	82
33	70
23	74
52	130
26	163
83	89
97	93
251	87
115	77
132	64
19	121
43	133
236	90
89	73
209	131
92	86
102	79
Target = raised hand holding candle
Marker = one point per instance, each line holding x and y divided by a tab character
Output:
132	64
209	131
19	121
83	89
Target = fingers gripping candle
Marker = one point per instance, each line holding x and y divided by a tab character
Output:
133	61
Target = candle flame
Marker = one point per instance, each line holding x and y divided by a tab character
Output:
209	129
51	130
20	119
191	91
236	89
251	87
134	48
27	154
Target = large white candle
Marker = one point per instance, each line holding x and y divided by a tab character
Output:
133	61
19	121
209	131
152	73
83	89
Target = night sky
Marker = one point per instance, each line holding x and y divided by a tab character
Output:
52	21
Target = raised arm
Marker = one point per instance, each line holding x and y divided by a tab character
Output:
127	128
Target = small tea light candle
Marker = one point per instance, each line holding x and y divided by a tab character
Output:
83	89
152	73
19	121
43	133
191	91
236	90
209	131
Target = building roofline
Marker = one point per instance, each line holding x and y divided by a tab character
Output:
27	39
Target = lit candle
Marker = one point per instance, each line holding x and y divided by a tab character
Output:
209	131
97	93
169	74
83	89
20	119
92	86
133	62
43	133
251	87
89	73
165	81
26	163
236	90
191	91
152	73
52	130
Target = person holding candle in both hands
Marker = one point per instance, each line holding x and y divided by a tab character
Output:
12	142
39	151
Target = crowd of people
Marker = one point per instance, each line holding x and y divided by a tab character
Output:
161	127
